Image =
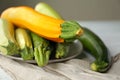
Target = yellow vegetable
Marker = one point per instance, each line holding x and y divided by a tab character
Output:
48	27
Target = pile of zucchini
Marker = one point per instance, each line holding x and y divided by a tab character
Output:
28	45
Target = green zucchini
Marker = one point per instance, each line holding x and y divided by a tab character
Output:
8	44
25	43
96	47
61	50
47	9
42	49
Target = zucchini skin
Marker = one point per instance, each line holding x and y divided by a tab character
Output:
61	50
47	10
96	47
24	41
42	49
8	44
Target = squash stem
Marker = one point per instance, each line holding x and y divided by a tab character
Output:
99	66
79	32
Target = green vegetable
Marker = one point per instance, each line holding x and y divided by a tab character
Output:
61	50
42	49
47	9
95	46
8	44
25	43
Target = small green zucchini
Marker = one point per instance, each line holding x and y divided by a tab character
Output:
25	43
47	9
8	44
42	49
61	50
96	47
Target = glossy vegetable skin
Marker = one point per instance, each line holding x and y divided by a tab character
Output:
24	41
8	44
95	46
47	10
42	49
45	26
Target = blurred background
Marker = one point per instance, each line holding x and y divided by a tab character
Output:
75	9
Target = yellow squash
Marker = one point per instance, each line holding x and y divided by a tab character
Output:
43	25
